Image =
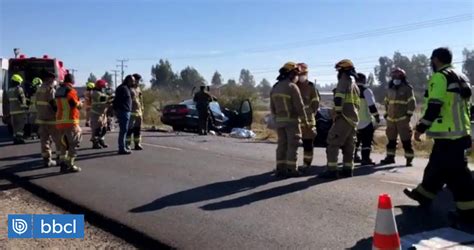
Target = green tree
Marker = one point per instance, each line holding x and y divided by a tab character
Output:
468	65
264	88
190	78
92	78
216	79
231	82
419	73
371	80
246	79
382	72
162	75
108	78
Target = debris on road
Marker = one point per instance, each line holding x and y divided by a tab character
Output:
242	133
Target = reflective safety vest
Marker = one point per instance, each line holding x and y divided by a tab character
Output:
44	104
453	121
137	101
98	102
310	97
400	103
286	104
17	100
68	106
346	100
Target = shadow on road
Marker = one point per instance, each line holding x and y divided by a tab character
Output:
207	192
7	186
226	188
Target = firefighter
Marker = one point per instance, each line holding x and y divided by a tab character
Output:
46	118
287	108
67	123
88	101
343	130
31	125
16	102
310	96
136	117
202	100
399	107
446	119
365	128
99	106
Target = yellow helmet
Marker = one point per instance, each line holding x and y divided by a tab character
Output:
290	66
345	64
37	81
17	78
90	85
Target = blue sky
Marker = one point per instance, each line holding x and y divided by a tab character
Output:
89	35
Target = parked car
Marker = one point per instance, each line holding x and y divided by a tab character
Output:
184	116
323	124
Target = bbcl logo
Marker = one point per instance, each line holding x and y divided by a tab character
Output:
45	226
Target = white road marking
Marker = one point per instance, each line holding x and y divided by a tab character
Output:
161	146
399	183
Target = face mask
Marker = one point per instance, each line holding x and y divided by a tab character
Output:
397	82
303	78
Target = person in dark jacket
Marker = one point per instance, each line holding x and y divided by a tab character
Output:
123	106
202	100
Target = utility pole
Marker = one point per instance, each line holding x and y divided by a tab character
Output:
73	71
122	65
115	71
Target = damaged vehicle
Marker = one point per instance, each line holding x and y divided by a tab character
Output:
184	116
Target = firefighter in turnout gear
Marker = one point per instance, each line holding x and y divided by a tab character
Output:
98	117
136	117
16	102
287	108
365	128
67	123
46	118
400	104
32	127
343	131
88	101
310	96
446	119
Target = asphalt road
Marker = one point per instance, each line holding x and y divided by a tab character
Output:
218	193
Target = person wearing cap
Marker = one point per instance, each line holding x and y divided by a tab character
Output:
31	125
446	119
98	119
88	101
202	99
368	113
135	126
287	108
17	108
346	117
400	104
310	96
46	118
122	104
67	123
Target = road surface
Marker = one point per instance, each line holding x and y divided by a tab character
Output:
219	193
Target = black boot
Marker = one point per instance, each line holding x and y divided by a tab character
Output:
414	195
96	145
138	146
102	143
390	159
47	163
347	172
409	162
367	162
357	159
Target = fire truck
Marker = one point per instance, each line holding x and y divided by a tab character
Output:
28	68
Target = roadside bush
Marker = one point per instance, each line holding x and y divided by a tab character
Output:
232	96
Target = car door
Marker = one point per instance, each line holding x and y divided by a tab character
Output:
245	116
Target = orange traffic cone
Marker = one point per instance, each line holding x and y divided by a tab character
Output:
386	235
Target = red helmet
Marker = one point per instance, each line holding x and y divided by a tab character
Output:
100	84
398	73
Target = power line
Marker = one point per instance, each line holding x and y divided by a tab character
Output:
337	38
73	71
122	65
